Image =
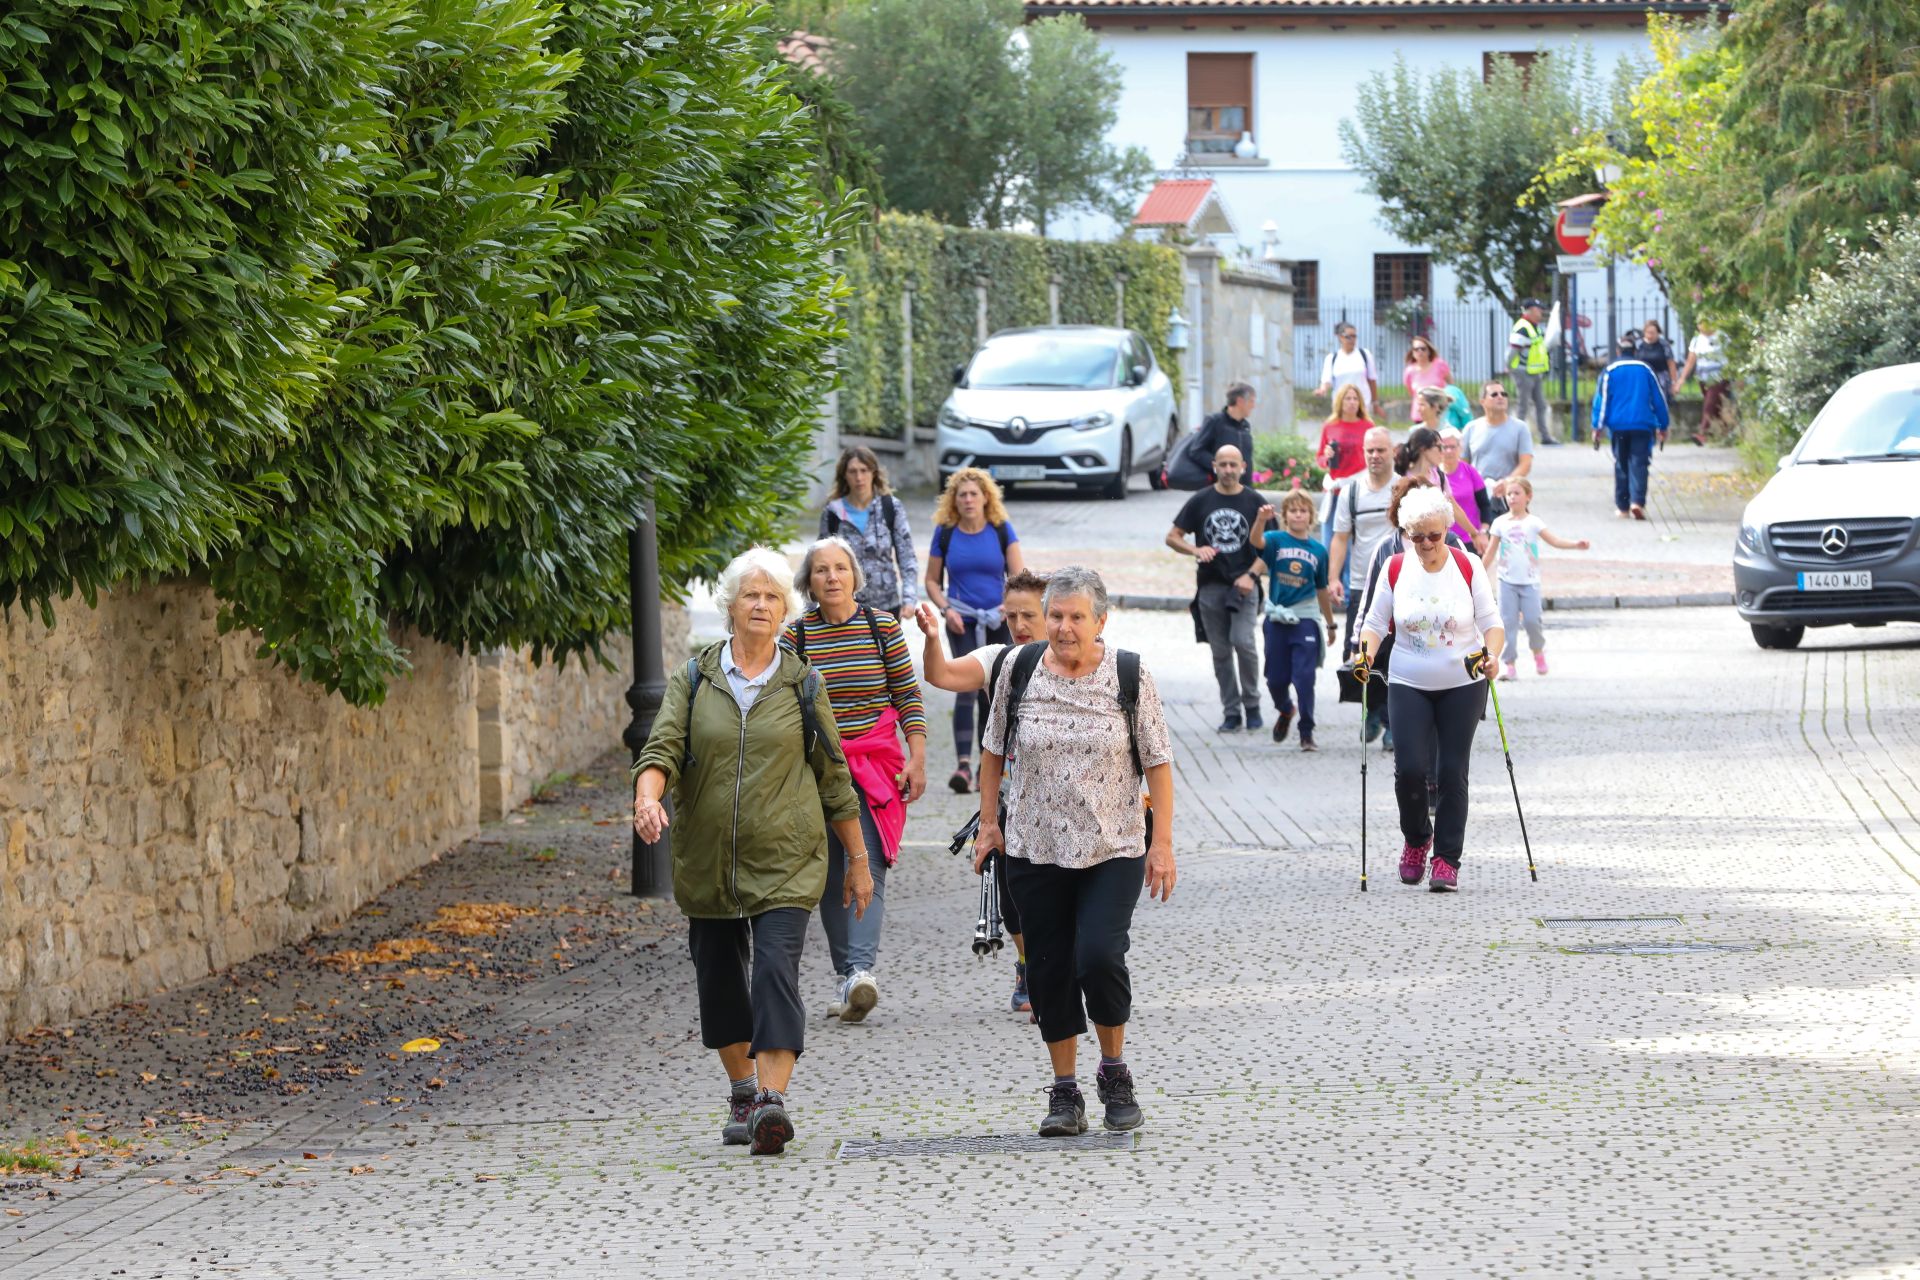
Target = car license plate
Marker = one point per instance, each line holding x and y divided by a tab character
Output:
1854	580
1011	472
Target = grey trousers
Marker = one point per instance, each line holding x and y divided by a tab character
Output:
1229	619
1530	402
1521	601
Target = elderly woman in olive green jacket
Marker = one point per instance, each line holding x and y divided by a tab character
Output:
746	739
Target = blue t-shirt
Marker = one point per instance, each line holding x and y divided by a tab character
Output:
857	516
976	571
1296	568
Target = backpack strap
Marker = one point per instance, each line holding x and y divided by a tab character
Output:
799	643
942	538
1465	562
833	523
887	507
1024	664
693	689
1002	531
1393	568
807	691
1128	664
879	643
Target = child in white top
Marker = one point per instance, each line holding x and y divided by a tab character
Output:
1513	552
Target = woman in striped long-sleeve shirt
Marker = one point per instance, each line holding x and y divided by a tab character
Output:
862	657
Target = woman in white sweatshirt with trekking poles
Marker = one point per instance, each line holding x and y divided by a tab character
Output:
1437	604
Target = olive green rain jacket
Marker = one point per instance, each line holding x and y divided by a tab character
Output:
749	817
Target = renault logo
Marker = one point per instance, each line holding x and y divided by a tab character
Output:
1017	428
1833	540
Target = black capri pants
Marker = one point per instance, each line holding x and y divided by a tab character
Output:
1077	922
748	976
1433	738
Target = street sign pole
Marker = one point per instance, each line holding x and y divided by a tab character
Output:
1573	357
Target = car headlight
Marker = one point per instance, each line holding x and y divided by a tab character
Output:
949	417
1749	535
1093	421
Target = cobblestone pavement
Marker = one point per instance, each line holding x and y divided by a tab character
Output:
1393	1084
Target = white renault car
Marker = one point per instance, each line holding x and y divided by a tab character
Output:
1071	404
1831	540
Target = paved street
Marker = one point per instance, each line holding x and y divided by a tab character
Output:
1393	1084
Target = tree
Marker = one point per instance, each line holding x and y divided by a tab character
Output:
979	121
1450	157
1061	160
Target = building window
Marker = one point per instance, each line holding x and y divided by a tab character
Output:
1306	293
1524	61
1219	101
1398	276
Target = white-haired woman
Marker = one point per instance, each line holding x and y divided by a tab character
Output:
1439	605
861	654
1083	725
746	739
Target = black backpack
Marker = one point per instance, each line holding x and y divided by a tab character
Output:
886	513
807	690
799	639
943	538
1026	657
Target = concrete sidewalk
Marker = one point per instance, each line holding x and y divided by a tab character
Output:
1689	1050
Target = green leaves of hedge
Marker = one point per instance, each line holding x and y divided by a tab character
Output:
383	317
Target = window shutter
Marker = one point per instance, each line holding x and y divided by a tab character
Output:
1220	80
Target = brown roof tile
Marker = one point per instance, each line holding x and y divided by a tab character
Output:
1173	202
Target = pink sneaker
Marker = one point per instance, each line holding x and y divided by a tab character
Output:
1540	663
1413	862
1507	672
1445	877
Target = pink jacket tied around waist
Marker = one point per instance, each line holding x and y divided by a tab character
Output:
875	758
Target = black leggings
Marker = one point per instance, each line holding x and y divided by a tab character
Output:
1424	720
963	703
1076	935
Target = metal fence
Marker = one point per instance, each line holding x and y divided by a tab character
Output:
1470	336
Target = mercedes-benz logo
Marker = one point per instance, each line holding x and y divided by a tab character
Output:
1833	540
1017	428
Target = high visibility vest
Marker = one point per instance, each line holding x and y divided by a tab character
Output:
1536	347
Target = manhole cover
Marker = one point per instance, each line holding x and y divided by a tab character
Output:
1604	922
1658	948
991	1145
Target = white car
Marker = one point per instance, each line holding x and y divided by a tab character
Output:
1074	404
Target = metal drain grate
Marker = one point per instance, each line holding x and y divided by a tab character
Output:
1604	922
1659	948
990	1145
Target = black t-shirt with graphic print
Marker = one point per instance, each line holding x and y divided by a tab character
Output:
1213	519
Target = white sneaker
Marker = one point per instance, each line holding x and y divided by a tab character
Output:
862	993
838	1005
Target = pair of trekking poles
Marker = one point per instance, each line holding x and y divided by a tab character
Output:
1473	663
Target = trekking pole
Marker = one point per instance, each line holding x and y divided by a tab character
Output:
1497	719
1363	780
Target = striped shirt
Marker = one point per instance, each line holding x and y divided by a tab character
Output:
858	686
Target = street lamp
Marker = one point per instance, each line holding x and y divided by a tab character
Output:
1177	330
1270	234
1608	173
651	878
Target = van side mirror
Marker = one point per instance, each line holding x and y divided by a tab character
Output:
959	374
1137	376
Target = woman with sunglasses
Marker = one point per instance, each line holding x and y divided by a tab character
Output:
1439	606
1421	455
1424	368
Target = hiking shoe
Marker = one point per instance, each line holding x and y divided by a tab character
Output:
962	780
1115	1087
1282	725
1229	725
770	1130
1307	743
1254	721
1413	863
862	994
737	1132
1021	1001
1540	663
1639	512
1507	672
1066	1112
1445	877
1386	741
1374	727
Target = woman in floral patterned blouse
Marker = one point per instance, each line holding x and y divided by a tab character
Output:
1076	837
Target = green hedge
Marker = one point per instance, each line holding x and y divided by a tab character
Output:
390	313
942	265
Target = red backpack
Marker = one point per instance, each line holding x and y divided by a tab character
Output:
1460	558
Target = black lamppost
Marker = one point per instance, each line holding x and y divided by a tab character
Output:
651	874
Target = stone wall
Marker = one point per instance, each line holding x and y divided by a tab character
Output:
1242	317
171	805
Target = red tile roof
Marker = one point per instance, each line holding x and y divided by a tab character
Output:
808	52
1173	202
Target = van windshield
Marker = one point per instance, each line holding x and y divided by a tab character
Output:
1865	421
1078	361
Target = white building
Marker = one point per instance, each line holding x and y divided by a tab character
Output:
1200	74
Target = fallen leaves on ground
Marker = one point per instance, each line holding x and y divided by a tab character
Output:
425	1044
387	951
477	919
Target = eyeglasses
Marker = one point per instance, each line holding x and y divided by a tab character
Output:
1423	539
1496	395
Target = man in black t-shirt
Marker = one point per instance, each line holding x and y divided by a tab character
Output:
1219	522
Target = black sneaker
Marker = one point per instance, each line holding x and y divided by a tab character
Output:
1373	726
1253	721
1230	725
1115	1087
737	1132
771	1130
1066	1112
1283	725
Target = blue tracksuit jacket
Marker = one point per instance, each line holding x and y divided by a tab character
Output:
1629	399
